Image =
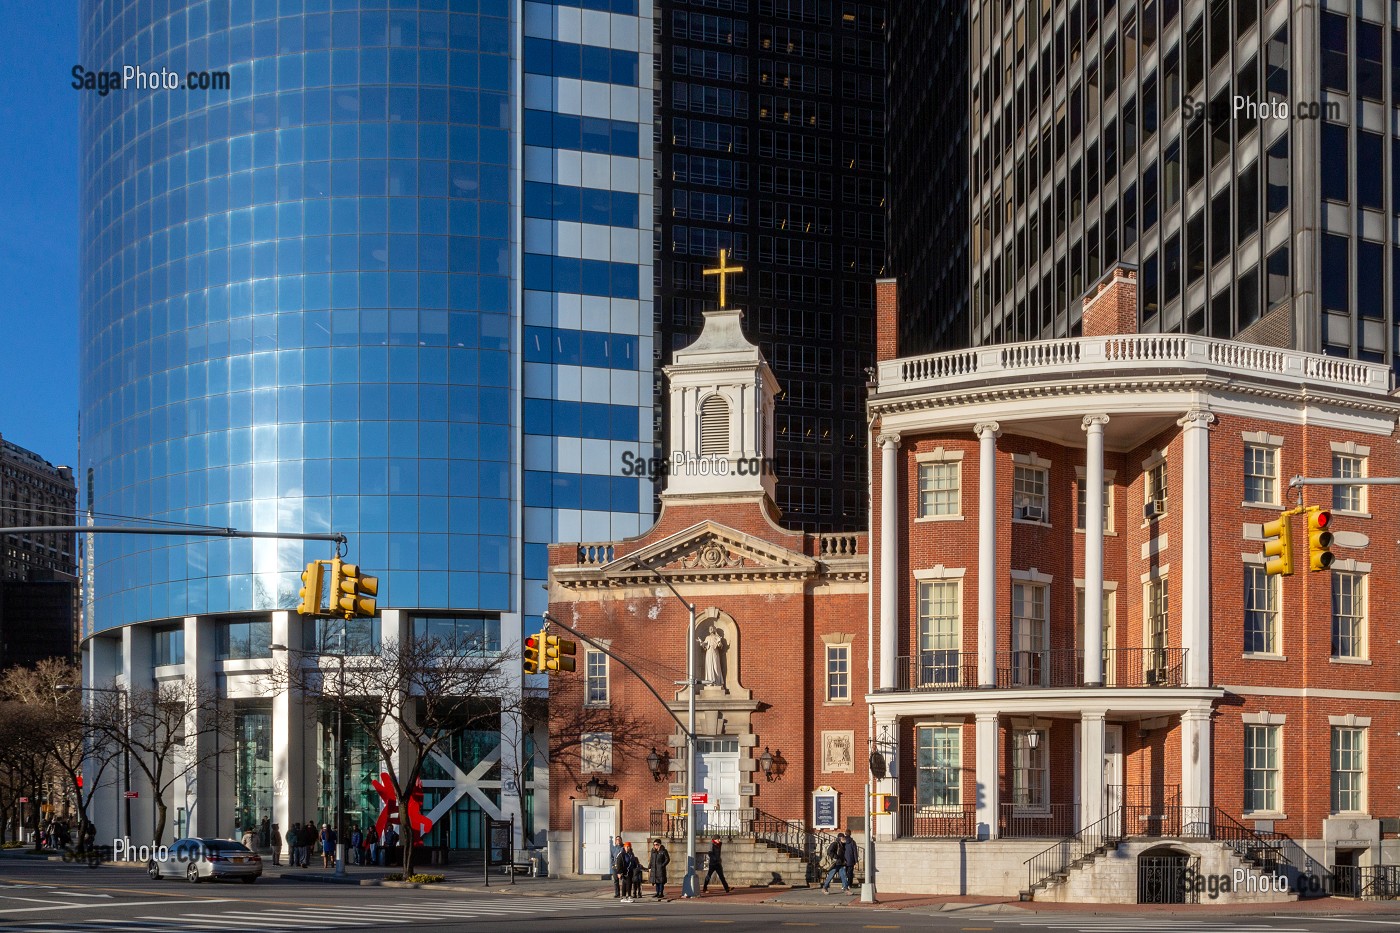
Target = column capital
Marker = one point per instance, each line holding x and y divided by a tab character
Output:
1093	715
982	428
888	439
1094	421
1196	418
988	717
1197	715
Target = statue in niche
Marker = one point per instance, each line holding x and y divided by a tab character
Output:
715	645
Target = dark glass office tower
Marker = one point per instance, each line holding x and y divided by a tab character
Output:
1235	152
770	118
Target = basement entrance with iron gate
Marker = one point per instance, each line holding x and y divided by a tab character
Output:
1166	876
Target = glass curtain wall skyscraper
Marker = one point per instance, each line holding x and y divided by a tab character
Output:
770	117
390	283
1235	152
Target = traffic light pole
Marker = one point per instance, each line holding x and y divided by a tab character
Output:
195	531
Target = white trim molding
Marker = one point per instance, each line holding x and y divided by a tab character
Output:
939	572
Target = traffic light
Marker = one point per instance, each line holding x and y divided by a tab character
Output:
531	658
311	579
352	594
883	803
558	653
1320	555
1278	546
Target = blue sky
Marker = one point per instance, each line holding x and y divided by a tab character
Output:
39	228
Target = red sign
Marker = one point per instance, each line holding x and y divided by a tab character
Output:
699	799
132	794
24	800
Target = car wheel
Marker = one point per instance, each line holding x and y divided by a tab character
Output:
192	873
250	879
153	870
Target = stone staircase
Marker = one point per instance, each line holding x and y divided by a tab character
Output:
748	863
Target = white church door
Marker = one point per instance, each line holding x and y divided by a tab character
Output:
717	774
595	857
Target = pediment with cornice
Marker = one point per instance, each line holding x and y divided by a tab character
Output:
707	550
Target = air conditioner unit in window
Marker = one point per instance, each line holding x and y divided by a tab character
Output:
1151	509
1032	513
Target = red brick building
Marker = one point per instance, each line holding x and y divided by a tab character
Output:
1146	690
780	644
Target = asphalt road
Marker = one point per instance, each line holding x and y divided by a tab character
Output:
48	897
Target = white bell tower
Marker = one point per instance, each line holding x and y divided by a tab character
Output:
720	441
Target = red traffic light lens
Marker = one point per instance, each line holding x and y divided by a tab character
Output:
532	642
1324	519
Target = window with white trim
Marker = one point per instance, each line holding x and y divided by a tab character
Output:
1261	768
1158	619
1156	490
1349	498
938	779
595	666
1261	474
940	488
1030	499
1348	769
1029	622
1260	611
940	631
838	673
1348	614
1081	505
1030	779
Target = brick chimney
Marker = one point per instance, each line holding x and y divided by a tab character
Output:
886	319
1110	306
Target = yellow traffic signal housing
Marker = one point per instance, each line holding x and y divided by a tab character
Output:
531	654
311	579
558	653
883	803
352	595
1278	546
1320	554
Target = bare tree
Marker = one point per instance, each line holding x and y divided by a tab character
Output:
57	723
23	761
164	729
409	698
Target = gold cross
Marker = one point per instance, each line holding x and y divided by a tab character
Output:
722	271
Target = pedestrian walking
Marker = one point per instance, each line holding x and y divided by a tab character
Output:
356	839
308	842
328	842
656	867
837	853
275	837
614	854
716	867
294	845
250	839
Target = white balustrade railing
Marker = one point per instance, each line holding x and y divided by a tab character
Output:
1125	353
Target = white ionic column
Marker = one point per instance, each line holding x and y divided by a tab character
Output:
988	778
987	433
1093	549
1195	760
889	558
1195	547
1091	768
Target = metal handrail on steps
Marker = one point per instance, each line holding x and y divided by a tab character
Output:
794	838
1100	835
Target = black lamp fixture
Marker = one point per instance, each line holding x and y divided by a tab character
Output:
765	763
655	763
596	788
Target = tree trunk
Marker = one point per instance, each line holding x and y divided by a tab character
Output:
406	836
159	833
81	834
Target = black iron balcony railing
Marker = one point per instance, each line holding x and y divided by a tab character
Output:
1025	669
950	822
1147	809
1054	819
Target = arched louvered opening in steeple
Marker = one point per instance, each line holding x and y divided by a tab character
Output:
714	427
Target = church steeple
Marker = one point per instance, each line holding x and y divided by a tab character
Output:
722	393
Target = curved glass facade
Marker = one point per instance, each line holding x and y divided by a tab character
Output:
302	301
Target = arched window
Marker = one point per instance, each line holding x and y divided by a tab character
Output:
714	427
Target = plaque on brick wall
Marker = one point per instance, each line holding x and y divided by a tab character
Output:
838	752
825	808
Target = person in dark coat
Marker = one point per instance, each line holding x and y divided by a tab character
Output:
716	867
275	837
615	855
837	852
660	858
624	866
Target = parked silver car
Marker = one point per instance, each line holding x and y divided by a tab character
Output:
198	859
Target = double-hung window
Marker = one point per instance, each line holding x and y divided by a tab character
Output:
1029	776
1030	498
1260	611
1348	769
595	678
1261	768
1029	621
940	631
1348	615
1350	497
939	779
1261	474
940	488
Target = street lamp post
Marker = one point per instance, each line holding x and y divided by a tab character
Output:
339	766
126	747
690	881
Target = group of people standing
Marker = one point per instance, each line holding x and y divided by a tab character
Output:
627	870
365	847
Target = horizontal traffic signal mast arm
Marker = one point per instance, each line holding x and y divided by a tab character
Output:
1337	481
635	673
194	532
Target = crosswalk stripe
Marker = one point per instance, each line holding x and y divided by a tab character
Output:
226	920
